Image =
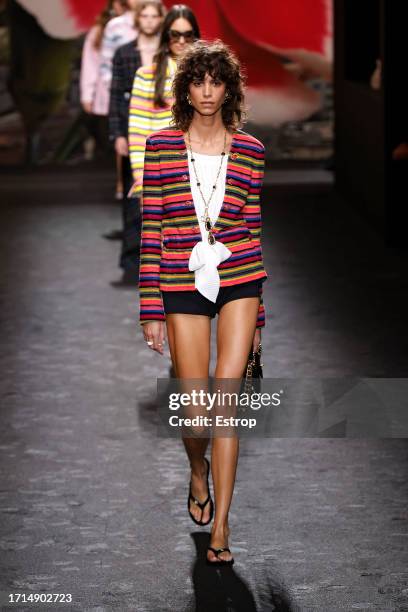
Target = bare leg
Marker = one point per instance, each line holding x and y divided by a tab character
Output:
235	332
119	174
189	342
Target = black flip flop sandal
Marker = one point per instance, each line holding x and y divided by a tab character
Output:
217	552
201	505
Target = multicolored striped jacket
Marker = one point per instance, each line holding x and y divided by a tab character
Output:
170	226
144	117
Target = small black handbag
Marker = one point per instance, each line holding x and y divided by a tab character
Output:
253	368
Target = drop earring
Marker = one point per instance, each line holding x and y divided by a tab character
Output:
189	100
227	97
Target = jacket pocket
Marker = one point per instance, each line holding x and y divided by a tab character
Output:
180	243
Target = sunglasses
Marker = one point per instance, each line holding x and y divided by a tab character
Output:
176	35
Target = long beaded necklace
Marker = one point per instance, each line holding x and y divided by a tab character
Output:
206	217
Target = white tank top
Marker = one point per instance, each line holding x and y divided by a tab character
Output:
204	257
207	168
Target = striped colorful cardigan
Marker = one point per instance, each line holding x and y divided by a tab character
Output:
144	117
170	226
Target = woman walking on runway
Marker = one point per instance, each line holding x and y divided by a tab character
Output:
126	61
201	254
151	98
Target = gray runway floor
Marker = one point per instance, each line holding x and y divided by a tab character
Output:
93	503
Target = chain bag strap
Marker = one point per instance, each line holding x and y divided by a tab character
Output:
253	368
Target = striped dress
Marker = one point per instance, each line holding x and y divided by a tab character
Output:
144	117
170	227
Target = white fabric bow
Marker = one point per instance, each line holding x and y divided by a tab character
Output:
204	260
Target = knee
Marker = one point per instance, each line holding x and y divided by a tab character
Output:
195	431
229	369
228	373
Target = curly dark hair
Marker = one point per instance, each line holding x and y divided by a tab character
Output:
220	63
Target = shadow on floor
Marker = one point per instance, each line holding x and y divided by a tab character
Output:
221	589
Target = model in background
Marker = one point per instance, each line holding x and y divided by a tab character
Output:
201	255
126	61
119	7
88	83
91	56
118	32
151	99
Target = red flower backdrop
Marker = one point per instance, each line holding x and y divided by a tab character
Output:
84	11
265	32
64	19
280	42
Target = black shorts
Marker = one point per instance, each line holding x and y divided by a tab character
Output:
193	302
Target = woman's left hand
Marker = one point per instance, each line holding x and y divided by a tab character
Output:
257	340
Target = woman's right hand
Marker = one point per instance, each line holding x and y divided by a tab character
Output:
87	106
154	333
121	146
